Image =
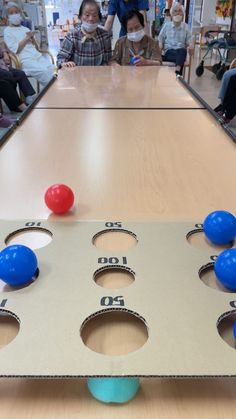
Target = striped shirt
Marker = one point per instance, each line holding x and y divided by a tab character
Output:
175	37
91	51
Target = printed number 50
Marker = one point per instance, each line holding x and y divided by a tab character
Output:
112	301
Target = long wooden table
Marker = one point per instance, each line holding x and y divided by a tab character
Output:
117	87
165	164
128	164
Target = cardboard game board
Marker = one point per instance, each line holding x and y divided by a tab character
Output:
180	312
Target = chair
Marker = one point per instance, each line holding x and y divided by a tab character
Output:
16	61
201	39
187	65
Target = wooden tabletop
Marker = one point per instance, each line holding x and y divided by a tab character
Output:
69	399
117	87
128	165
124	164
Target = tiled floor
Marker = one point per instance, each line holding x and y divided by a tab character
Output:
207	86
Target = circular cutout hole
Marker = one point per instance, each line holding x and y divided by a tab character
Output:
198	239
225	326
111	278
115	240
114	332
8	288
34	238
9	327
208	277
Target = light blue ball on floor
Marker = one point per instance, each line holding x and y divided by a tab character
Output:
113	390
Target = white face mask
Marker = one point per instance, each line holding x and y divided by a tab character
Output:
136	36
15	19
89	27
177	18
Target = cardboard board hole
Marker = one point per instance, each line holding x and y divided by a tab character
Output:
9	328
114	332
117	277
8	288
115	240
198	239
34	238
208	277
225	328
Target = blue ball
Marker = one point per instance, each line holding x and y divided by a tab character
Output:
113	390
225	269
220	227
134	60
234	329
18	265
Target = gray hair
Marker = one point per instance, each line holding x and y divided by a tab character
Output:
176	6
13	4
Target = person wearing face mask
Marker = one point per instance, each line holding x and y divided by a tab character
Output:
21	41
175	39
88	44
136	47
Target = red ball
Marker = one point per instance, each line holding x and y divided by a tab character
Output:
59	198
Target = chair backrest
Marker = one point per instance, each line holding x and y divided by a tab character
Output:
15	62
206	29
13	57
212	27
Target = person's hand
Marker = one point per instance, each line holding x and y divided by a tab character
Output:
114	64
68	64
190	49
30	36
141	61
6	58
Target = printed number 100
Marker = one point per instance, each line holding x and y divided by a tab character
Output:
113	260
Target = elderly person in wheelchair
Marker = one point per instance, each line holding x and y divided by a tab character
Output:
21	41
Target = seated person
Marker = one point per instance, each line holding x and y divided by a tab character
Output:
9	94
15	76
136	47
228	110
87	44
21	41
224	85
175	39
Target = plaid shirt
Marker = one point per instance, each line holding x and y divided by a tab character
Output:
174	37
91	52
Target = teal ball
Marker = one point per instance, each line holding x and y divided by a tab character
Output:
113	390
